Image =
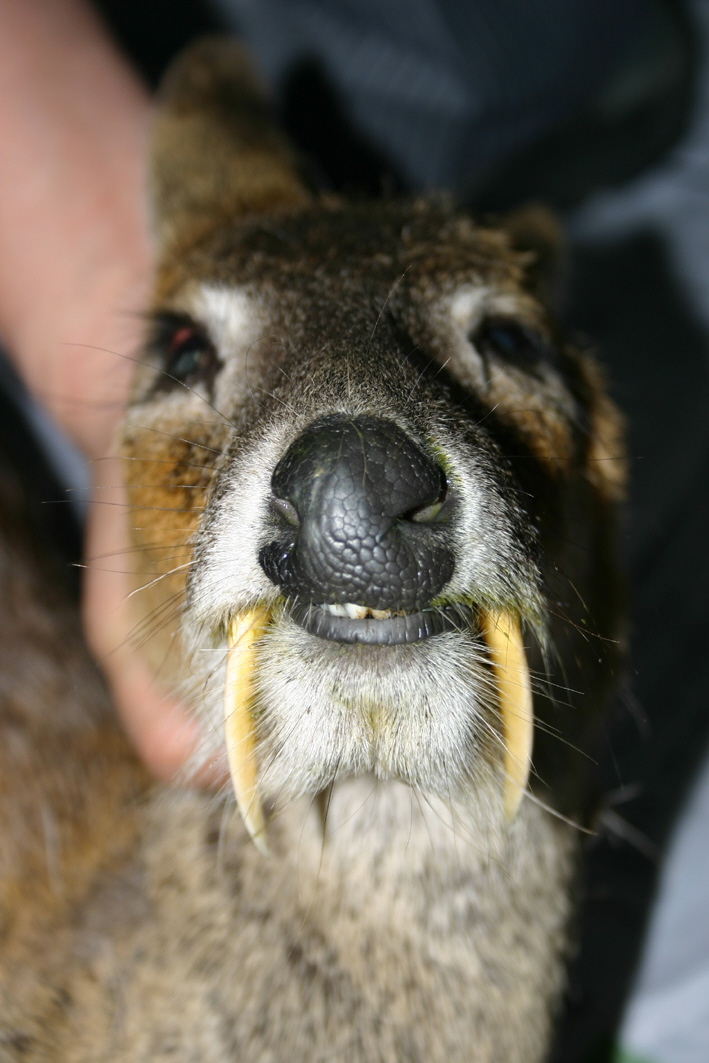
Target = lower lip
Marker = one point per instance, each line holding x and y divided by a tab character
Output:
394	631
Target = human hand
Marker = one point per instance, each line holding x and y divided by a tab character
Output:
75	261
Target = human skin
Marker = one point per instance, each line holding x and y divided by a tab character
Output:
75	262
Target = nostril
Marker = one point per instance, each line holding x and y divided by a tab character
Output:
285	509
276	560
430	512
424	514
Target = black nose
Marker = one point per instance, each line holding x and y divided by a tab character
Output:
366	514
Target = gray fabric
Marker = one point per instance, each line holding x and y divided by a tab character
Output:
668	1016
445	89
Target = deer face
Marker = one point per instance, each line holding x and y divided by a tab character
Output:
387	479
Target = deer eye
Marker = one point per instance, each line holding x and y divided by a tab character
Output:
185	351
512	342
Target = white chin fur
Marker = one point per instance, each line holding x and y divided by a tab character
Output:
416	713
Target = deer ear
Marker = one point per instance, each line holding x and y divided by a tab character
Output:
216	152
535	231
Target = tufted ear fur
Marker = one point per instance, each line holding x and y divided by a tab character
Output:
534	230
216	152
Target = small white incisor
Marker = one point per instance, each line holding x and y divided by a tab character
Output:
239	729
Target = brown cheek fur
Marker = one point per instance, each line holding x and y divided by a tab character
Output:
167	489
547	436
509	394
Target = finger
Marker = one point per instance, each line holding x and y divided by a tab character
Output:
164	734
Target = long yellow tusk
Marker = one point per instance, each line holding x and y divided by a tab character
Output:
240	735
503	638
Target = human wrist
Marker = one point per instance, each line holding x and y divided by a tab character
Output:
74	246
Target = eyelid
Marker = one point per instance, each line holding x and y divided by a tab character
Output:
162	328
491	323
183	334
513	341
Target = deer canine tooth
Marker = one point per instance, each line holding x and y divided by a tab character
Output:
243	632
503	638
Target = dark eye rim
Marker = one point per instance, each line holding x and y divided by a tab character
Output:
516	343
174	336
